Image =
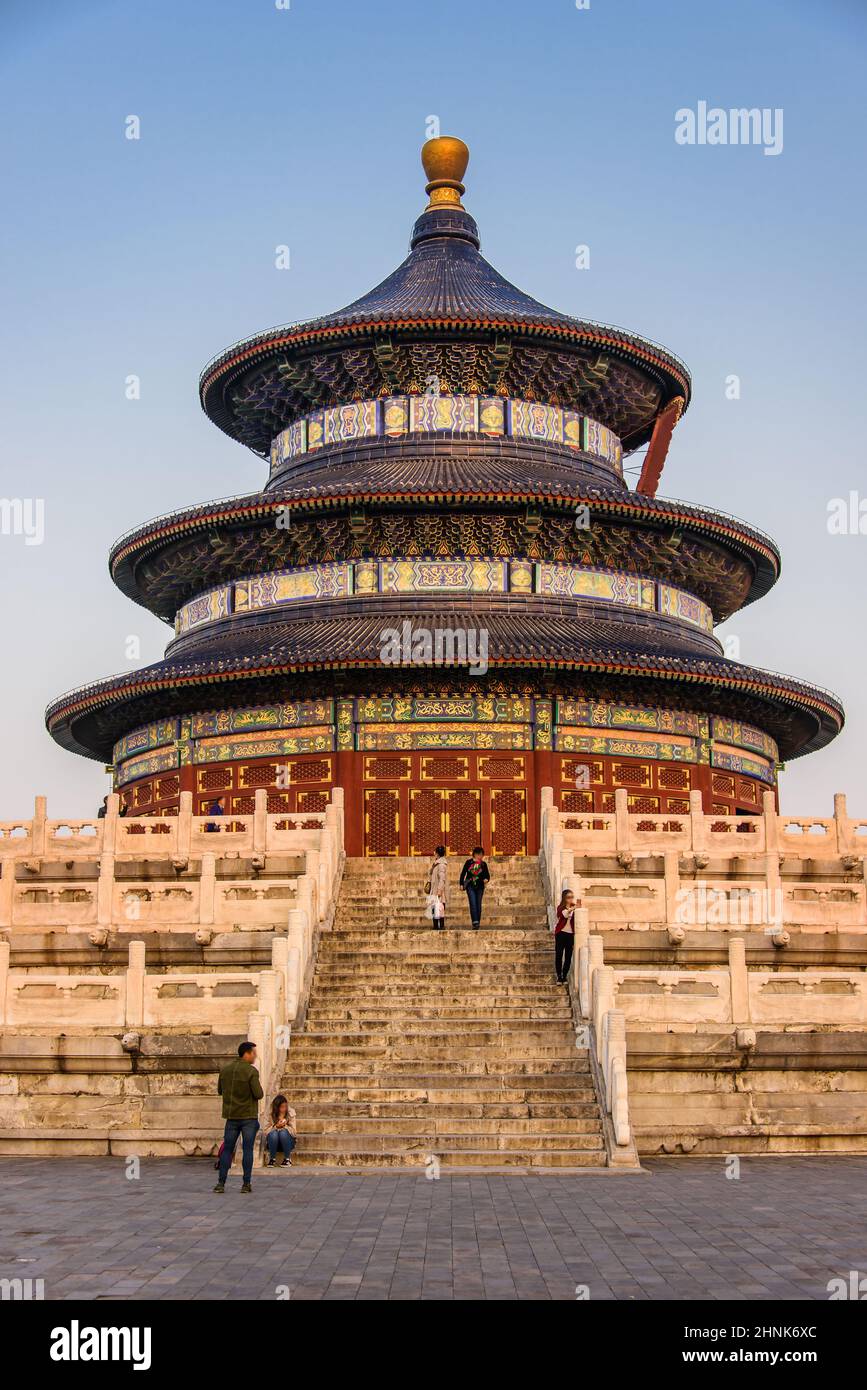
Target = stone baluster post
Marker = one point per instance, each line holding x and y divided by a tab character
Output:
207	889
621	821
843	825
7	891
567	867
740	983
270	991
697	822
280	960
555	842
546	804
602	989
773	884
260	821
185	825
37	827
105	891
673	902
582	935
325	871
296	937
312	872
135	986
259	1032
590	959
109	824
5	951
337	801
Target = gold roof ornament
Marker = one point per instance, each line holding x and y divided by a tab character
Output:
445	161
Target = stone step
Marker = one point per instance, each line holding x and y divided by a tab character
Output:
325	1018
375	1034
464	1158
430	949
381	1058
404	1022
426	990
505	1141
390	1070
422	1129
440	1088
577	1110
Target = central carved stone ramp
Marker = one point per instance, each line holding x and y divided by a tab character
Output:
456	1044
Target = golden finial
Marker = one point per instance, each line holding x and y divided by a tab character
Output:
445	161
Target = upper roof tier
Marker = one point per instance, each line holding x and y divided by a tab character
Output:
445	312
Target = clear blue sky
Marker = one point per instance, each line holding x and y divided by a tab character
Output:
262	126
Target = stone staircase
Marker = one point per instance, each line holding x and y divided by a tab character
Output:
455	1045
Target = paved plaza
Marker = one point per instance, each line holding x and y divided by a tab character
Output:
679	1230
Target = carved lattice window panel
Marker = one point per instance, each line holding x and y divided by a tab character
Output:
723	786
168	786
678	804
215	779
427	820
464	823
259	775
243	805
444	769
278	801
747	791
317	771
387	769
312	801
673	778
576	801
643	805
503	768
508	821
144	794
569	770
631	774
381	821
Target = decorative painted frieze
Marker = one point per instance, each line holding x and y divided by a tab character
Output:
492	416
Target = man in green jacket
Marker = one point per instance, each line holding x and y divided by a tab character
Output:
241	1089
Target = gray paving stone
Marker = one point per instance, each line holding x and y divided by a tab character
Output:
680	1232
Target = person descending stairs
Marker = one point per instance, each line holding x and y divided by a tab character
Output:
453	1047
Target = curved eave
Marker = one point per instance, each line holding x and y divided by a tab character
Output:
127	553
220	373
822	707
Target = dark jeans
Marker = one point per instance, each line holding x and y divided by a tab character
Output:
248	1130
563	943
280	1139
475	894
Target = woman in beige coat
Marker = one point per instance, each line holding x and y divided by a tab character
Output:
439	887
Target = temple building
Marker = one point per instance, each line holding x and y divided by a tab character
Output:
446	595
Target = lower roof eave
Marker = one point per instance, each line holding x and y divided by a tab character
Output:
65	715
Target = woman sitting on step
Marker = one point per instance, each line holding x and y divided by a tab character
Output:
280	1134
564	935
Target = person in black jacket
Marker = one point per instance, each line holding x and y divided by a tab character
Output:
474	876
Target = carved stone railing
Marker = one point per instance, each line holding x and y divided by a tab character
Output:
623	833
181	837
768	872
84	885
598	1025
733	997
